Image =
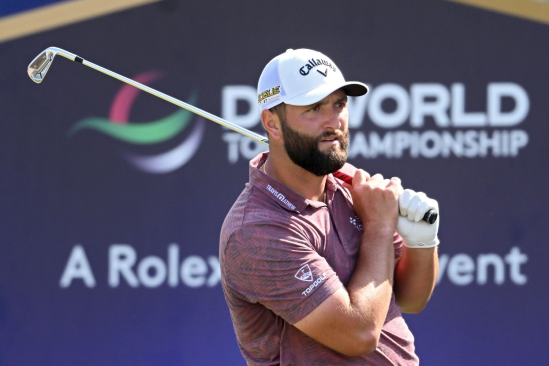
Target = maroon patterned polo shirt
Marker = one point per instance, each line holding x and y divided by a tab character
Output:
281	256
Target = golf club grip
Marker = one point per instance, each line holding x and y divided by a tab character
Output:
429	217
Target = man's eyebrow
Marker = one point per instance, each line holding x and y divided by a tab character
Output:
322	102
312	105
342	99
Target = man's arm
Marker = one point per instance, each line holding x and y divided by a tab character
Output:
417	270
350	320
415	277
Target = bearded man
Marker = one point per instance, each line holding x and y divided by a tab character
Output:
314	270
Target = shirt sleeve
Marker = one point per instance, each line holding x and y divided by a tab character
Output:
276	266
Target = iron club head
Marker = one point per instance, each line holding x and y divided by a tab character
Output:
40	65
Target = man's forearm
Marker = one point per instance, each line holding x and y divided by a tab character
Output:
370	288
350	321
415	278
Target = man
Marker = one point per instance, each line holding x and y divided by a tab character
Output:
312	269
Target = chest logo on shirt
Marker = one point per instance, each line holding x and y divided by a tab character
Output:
357	223
304	274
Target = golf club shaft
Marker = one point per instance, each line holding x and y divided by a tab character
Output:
430	216
166	97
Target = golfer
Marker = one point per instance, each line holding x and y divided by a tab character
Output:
316	271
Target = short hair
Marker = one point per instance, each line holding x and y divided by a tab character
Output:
280	110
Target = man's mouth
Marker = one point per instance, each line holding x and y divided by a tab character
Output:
330	140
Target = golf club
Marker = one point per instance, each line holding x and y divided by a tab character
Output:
39	67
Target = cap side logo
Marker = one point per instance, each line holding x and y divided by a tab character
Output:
304	274
268	95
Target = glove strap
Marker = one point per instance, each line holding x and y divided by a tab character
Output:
422	244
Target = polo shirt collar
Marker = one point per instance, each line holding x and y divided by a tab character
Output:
279	193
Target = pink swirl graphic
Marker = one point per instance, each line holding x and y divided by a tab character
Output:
123	101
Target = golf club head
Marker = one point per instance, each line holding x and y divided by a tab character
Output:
40	65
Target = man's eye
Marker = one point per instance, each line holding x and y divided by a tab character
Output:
315	108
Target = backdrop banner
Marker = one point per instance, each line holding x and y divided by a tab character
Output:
112	200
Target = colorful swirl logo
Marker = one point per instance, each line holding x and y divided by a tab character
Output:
154	132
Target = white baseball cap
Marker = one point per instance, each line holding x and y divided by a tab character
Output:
302	77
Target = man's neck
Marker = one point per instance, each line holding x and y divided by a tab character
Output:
282	169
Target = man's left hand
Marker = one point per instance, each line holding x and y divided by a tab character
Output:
415	232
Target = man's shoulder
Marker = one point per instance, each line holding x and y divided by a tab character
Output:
253	207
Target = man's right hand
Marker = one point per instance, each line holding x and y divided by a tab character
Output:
375	199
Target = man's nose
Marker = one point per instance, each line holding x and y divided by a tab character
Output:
333	119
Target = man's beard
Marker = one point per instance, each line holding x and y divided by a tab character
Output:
304	150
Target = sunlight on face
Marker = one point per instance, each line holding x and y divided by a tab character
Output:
327	152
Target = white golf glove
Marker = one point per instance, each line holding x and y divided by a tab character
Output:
415	232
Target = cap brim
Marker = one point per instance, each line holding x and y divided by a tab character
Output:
351	88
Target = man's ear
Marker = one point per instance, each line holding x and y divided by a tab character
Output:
271	124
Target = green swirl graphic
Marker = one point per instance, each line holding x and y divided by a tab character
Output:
141	133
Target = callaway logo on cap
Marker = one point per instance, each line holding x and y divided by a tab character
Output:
302	77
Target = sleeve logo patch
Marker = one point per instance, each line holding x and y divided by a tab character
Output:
314	284
304	274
